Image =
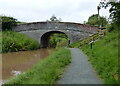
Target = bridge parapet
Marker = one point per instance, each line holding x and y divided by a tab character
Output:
55	26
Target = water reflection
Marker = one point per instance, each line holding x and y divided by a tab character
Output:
44	53
21	61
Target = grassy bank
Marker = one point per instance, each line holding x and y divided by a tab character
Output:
13	41
47	71
104	57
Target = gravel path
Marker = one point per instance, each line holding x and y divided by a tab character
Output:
80	70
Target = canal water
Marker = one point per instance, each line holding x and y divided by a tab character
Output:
14	63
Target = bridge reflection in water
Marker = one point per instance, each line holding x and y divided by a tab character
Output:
17	62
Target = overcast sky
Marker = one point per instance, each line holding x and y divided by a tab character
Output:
41	10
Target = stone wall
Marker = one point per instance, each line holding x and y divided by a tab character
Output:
55	26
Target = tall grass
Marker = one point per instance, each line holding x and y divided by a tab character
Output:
13	41
104	57
47	71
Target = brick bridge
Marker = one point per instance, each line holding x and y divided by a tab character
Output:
41	31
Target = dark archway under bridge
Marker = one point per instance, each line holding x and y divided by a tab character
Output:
46	37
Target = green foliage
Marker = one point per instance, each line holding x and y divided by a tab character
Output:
104	57
8	22
93	20
58	40
114	11
13	41
75	44
54	19
113	26
47	71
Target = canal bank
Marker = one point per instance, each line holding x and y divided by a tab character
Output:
46	71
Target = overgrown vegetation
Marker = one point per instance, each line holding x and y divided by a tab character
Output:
58	40
13	41
93	20
47	71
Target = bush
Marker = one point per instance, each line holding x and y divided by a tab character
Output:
8	22
13	41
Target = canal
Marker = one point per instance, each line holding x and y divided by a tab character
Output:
14	63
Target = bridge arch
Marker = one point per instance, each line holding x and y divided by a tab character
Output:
44	39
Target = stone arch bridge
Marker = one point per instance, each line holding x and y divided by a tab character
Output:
41	31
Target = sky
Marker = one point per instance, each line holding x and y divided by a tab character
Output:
41	10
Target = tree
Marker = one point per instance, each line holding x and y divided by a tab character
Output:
8	22
114	10
93	20
54	19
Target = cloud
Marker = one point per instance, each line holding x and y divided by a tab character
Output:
41	10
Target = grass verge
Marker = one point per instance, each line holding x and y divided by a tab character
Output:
47	71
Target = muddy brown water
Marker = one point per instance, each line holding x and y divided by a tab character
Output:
21	61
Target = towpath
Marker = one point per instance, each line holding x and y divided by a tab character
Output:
80	71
